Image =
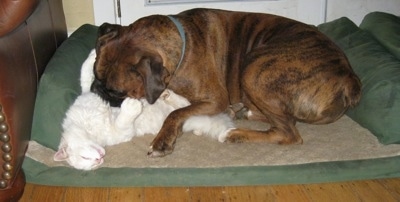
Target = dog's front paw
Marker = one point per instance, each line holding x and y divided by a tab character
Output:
233	135
158	152
159	148
235	139
131	106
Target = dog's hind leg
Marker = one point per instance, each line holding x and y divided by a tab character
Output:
269	103
280	132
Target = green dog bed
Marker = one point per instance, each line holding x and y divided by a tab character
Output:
200	161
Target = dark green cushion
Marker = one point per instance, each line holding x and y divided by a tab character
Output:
338	28
385	28
379	71
60	85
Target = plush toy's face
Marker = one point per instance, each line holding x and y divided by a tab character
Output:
82	157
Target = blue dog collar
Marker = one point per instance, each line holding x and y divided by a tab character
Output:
183	37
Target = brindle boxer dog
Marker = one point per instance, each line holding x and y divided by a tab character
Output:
282	70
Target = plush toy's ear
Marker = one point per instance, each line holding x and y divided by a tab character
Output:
153	74
60	155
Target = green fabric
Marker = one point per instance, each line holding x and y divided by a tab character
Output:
338	29
385	28
59	86
227	176
379	72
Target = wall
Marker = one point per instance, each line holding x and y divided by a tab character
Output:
309	11
78	12
357	9
132	10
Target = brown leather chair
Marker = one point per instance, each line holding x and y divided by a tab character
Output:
30	32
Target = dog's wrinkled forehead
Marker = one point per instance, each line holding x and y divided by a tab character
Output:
113	50
113	59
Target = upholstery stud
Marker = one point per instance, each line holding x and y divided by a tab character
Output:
8	167
3	127
6	147
7	175
3	184
7	157
2	117
4	137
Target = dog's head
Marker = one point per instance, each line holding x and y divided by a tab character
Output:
125	67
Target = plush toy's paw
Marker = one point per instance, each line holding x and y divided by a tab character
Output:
130	110
131	106
198	132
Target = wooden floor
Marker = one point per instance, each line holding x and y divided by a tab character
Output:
382	190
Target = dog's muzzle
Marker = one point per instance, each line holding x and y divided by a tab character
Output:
114	98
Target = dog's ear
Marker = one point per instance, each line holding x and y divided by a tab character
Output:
106	28
106	33
154	75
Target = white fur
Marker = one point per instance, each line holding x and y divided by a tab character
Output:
90	123
216	126
87	75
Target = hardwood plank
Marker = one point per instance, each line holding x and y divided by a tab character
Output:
392	185
248	194
330	192
176	194
80	194
370	190
289	193
207	194
366	190
48	193
28	191
132	194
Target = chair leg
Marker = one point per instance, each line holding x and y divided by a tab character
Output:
15	191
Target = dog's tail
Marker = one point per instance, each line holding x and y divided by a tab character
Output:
352	90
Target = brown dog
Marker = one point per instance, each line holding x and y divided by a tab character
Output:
282	70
